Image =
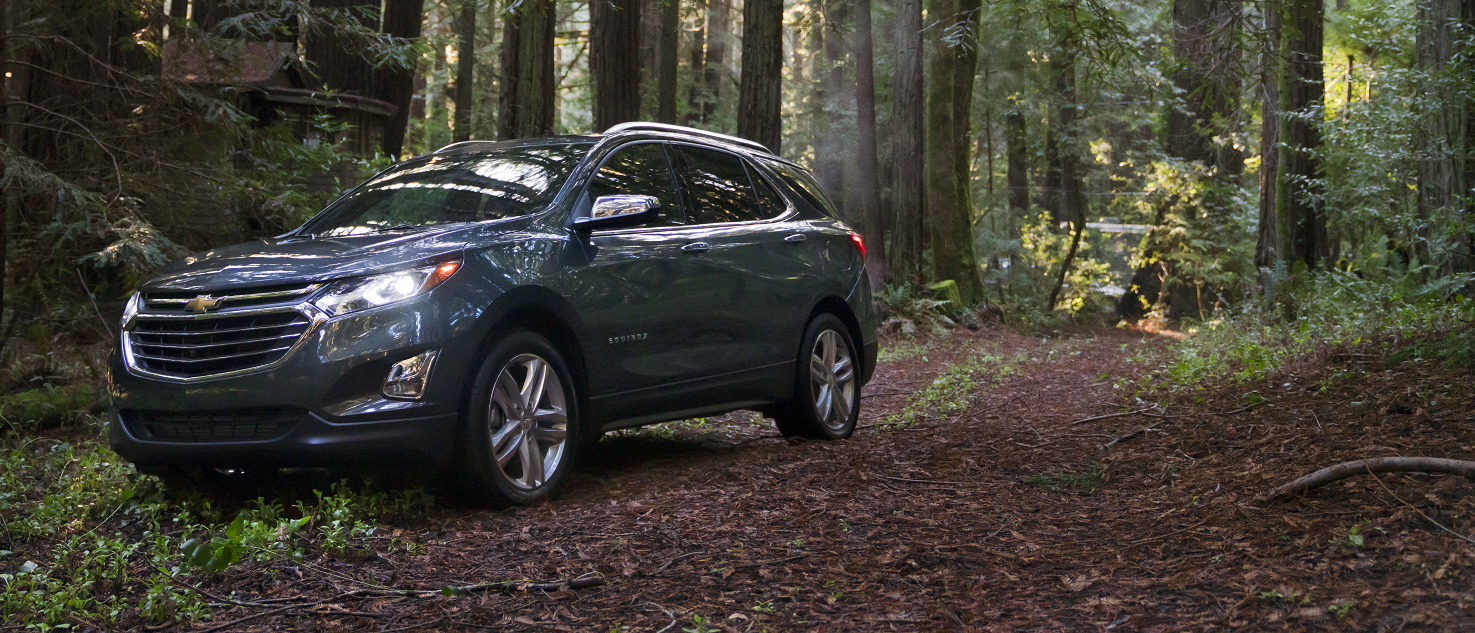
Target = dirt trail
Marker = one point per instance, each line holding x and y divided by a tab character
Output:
1001	516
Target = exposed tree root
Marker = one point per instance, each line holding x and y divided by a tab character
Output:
1375	465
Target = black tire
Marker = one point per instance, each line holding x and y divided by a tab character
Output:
528	437
826	400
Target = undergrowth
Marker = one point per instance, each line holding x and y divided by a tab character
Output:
953	389
82	535
1401	319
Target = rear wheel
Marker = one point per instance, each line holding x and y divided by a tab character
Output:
826	400
521	431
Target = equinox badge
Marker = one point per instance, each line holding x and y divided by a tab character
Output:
202	304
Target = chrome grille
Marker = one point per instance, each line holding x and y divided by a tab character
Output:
206	346
262	296
227	425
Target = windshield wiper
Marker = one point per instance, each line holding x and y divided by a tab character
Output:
400	227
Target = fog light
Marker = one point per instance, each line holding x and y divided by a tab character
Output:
407	378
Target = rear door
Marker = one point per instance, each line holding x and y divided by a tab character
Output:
757	249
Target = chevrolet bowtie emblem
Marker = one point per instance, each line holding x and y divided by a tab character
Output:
202	303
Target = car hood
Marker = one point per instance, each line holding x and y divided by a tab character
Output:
286	260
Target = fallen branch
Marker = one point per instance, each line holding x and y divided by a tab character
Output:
1421	512
1131	435
1112	415
1375	465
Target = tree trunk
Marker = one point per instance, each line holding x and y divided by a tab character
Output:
1018	161
666	54
908	160
1301	100
402	18
5	194
465	70
614	49
331	64
1268	247
760	89
832	100
694	94
1444	167
525	101
1206	73
866	171
948	214
719	28
1062	186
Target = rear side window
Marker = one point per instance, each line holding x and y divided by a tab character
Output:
773	204
719	187
641	169
804	183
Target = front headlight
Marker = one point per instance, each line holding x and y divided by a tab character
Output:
130	310
362	293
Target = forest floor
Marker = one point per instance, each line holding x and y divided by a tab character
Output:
995	509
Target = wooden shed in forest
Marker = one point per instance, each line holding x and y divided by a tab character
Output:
274	89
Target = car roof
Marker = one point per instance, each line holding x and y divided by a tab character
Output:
623	129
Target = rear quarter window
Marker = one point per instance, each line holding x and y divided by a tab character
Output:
803	182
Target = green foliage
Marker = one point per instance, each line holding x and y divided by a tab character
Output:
1331	308
1087	480
952	390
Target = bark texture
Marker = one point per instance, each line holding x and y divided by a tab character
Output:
614	61
1446	169
1207	73
525	98
465	70
949	95
1272	64
909	210
666	60
760	89
1302	222
867	180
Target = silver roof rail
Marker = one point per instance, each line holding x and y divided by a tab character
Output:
634	126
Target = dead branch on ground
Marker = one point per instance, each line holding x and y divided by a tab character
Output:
1375	465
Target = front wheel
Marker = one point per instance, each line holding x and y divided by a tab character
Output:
826	400
522	425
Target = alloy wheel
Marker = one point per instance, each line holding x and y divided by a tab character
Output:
527	420
832	380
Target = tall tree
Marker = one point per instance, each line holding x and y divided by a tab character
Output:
760	88
402	18
465	69
909	209
1017	160
832	99
867	174
694	93
1446	166
948	114
719	28
525	96
666	58
1302	223
614	61
1272	64
1206	73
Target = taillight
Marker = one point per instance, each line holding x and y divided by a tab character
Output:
860	244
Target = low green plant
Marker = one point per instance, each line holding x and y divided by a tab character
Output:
1088	479
952	390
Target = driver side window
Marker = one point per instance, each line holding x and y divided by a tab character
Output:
641	169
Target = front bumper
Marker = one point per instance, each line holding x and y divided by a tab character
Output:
327	409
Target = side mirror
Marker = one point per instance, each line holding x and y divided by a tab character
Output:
617	211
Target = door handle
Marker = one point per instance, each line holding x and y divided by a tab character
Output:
697	247
796	238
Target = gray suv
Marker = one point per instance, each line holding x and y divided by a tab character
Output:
492	307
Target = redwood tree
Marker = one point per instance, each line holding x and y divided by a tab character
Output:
949	99
614	61
525	97
760	90
909	209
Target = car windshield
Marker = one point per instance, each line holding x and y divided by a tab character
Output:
508	183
